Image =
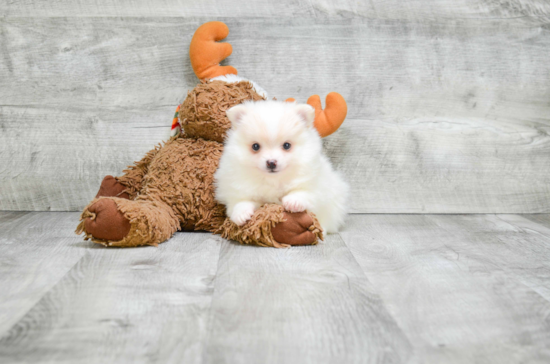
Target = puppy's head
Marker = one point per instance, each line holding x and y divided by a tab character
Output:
272	136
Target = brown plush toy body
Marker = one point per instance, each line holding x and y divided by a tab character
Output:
172	189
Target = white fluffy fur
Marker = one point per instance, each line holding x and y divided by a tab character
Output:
304	178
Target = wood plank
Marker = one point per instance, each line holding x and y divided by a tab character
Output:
519	246
162	8
403	69
525	10
541	219
122	305
75	63
444	166
37	251
452	284
390	288
300	305
387	163
56	159
445	117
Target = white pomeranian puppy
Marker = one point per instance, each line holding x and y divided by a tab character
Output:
273	154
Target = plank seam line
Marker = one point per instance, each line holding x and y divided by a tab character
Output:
210	318
500	267
374	290
523	229
5	334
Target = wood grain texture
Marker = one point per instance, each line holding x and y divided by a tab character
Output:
438	10
462	288
388	289
51	158
116	305
444	166
299	305
518	246
541	219
37	251
444	117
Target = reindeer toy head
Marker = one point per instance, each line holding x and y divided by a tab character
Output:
203	112
171	188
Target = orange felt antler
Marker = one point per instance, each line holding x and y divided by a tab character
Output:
206	54
327	121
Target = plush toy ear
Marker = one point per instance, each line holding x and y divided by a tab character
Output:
236	114
306	113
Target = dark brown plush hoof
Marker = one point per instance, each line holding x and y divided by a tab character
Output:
109	223
295	230
110	187
187	226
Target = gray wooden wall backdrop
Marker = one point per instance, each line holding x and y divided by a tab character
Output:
449	100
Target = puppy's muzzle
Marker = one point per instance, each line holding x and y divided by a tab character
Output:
271	165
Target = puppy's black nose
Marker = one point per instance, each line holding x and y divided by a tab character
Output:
271	164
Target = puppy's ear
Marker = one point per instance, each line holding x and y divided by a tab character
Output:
306	113
236	114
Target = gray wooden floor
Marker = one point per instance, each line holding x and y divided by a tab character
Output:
387	289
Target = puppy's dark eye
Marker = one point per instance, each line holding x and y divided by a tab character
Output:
286	146
256	147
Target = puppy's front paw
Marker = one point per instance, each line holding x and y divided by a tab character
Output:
242	212
294	204
242	217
